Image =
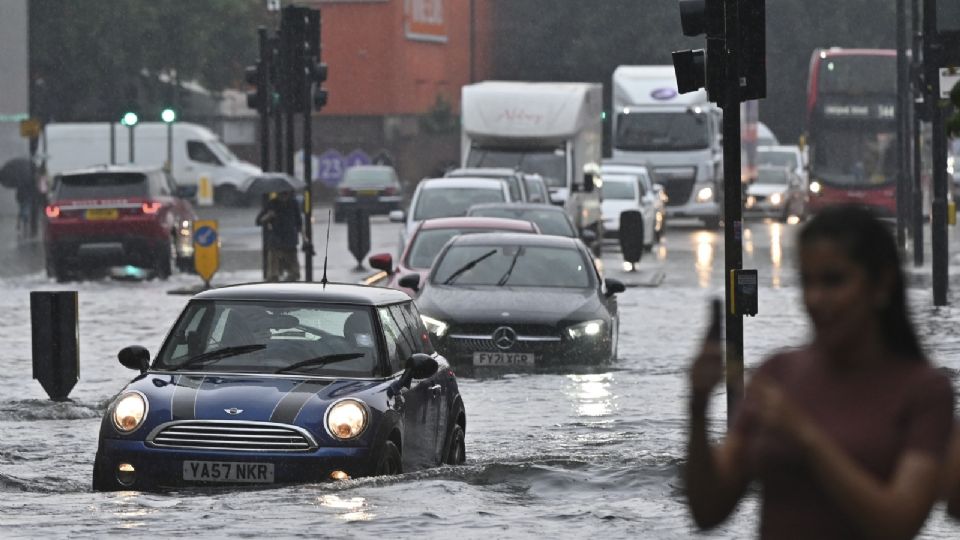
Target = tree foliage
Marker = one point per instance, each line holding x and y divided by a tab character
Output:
573	40
92	60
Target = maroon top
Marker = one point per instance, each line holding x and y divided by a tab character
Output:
875	416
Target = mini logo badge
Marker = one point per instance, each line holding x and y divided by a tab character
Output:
663	93
233	411
504	337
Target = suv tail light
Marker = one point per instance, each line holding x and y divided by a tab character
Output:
389	190
52	211
151	207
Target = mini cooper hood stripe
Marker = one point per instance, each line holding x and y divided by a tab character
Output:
259	398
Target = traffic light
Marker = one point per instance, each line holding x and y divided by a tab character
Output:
701	68
168	115
294	25
318	75
256	77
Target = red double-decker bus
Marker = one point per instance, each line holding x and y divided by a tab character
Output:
851	128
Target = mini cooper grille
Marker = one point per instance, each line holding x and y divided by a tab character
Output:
250	436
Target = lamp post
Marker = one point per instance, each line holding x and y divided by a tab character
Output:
130	120
169	116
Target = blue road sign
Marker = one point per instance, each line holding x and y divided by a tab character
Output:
330	167
357	157
205	236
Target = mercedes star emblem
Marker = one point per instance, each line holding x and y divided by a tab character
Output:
504	337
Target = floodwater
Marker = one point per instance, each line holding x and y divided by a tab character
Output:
548	455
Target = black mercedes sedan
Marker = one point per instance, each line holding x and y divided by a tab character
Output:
518	301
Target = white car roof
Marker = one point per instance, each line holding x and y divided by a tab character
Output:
462	182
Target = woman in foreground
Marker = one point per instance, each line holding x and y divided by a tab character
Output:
847	434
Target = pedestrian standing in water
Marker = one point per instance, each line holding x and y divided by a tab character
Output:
280	216
847	434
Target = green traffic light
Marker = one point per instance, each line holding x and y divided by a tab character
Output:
129	119
168	115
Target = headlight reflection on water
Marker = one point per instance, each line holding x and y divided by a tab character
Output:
704	245
355	507
591	394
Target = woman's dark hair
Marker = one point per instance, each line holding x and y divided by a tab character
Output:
869	243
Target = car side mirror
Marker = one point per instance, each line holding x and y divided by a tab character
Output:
588	236
614	286
418	366
187	192
396	216
410	281
134	357
382	261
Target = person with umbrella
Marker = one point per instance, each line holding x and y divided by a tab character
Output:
283	226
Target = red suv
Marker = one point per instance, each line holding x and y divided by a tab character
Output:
118	215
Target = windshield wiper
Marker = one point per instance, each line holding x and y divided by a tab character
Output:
506	275
218	354
320	361
468	266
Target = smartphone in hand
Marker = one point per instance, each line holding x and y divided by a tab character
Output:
714	331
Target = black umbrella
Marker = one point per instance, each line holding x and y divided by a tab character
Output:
16	172
272	183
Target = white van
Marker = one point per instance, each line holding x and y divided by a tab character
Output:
196	152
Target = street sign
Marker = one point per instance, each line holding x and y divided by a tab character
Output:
948	78
357	157
330	169
30	128
206	248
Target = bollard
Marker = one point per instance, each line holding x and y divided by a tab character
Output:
358	234
56	354
631	235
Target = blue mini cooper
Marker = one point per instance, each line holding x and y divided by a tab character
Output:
275	383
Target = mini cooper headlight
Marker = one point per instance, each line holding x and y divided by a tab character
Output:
346	419
129	412
585	329
434	326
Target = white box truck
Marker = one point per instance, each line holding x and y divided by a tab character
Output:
677	136
196	152
548	128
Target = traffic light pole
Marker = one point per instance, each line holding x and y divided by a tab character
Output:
278	111
264	83
917	212
938	229
308	192
900	112
732	206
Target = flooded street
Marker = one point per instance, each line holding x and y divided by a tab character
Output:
551	455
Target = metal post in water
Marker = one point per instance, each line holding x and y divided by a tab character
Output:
55	335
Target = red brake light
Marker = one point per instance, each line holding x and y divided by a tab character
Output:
53	211
390	190
151	207
345	191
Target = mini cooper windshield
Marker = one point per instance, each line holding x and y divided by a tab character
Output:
267	337
518	266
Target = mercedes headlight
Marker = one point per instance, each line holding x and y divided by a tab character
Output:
585	329
434	326
705	194
346	419
129	412
815	187
776	199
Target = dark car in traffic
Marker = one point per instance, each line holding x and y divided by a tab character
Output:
427	240
519	301
115	216
276	383
375	189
